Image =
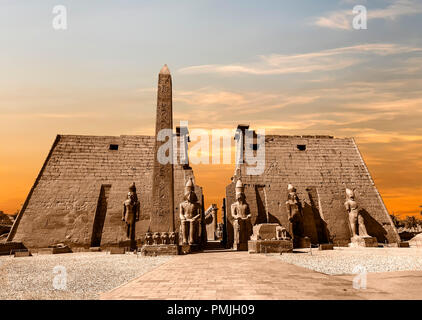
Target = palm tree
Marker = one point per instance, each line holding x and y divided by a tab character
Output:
411	222
396	220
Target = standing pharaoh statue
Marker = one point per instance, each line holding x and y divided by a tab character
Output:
241	218
190	215
294	211
355	217
130	214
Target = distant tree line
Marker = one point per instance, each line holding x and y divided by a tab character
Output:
410	222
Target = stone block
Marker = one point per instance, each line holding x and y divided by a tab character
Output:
403	244
161	250
54	250
301	242
265	231
189	248
24	253
368	242
7	248
117	250
240	247
270	246
326	246
95	249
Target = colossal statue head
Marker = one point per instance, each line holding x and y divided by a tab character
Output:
240	190
190	194
132	193
290	188
350	193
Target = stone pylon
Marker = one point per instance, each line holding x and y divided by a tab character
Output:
162	215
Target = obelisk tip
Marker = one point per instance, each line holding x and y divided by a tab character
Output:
165	70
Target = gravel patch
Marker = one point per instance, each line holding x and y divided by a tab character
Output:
87	274
351	260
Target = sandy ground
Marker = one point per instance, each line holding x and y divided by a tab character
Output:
392	274
353	260
87	274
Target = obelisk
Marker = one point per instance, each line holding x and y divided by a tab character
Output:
162	215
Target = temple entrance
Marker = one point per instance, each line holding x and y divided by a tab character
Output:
100	214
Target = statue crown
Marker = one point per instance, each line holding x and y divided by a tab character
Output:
132	187
350	193
190	185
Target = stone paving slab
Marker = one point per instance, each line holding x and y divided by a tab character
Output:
243	276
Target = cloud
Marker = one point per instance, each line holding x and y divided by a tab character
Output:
397	9
336	20
325	60
371	135
342	19
73	115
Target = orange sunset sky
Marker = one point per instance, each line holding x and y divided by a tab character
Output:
295	69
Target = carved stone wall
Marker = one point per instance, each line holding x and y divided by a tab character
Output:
62	204
162	182
321	174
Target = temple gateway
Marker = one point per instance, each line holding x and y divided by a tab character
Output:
98	192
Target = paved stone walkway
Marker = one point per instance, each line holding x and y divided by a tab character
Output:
239	275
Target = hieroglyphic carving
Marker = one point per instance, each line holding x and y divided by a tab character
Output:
162	216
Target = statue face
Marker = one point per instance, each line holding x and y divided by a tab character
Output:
240	197
132	196
190	196
292	196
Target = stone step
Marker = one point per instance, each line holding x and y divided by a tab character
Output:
214	245
218	250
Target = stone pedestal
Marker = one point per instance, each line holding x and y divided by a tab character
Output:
357	242
301	242
54	250
403	244
270	246
23	253
10	247
326	246
240	246
160	250
130	245
117	250
265	231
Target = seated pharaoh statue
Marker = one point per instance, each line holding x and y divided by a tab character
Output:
190	215
241	219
